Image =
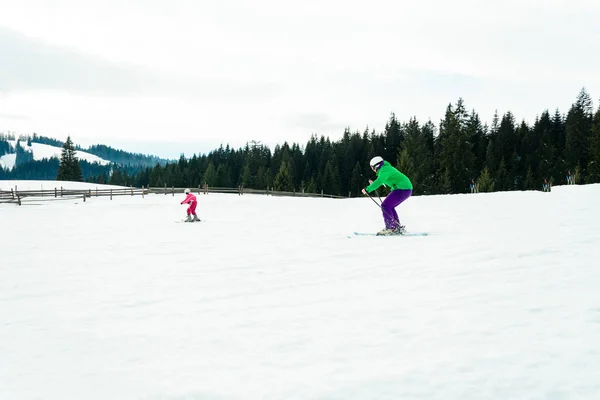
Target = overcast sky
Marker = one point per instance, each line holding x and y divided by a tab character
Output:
176	76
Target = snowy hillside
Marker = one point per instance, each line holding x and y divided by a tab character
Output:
41	151
49	185
268	298
7	161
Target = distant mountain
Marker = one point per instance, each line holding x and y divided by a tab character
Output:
32	151
123	157
37	157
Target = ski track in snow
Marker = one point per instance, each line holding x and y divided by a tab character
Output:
268	298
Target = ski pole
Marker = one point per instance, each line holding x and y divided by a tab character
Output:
386	213
375	201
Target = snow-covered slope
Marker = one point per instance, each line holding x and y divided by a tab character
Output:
50	185
268	298
7	161
41	151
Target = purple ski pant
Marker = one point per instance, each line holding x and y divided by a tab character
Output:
388	206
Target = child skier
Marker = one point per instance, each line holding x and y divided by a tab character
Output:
401	190
193	202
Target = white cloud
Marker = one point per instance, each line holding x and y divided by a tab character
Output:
238	70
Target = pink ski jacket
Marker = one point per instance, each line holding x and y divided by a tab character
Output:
190	199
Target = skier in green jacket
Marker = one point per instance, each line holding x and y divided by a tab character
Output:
401	190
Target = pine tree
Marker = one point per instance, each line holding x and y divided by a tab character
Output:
594	164
330	181
263	178
297	165
5	147
69	168
477	136
557	132
405	164
22	156
485	181
311	186
502	177
456	158
507	139
357	182
445	183
246	178
117	178
529	183
577	177
393	139
156	179
283	180
210	175
426	162
532	142
491	159
578	130
415	159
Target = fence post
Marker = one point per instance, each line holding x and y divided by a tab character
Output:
12	193
142	191
61	191
321	192
132	191
173	190
111	194
55	193
165	189
199	189
19	199
84	197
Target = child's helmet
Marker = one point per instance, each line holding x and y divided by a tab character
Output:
376	162
186	191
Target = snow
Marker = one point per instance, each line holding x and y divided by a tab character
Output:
41	151
51	185
268	298
7	161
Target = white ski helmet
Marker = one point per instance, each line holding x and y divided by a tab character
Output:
186	191
376	162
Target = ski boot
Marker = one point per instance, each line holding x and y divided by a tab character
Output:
188	219
401	230
196	218
385	232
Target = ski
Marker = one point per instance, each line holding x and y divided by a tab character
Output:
404	234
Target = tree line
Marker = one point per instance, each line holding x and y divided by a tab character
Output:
448	158
443	159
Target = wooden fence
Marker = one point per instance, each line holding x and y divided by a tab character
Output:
24	196
239	190
19	196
